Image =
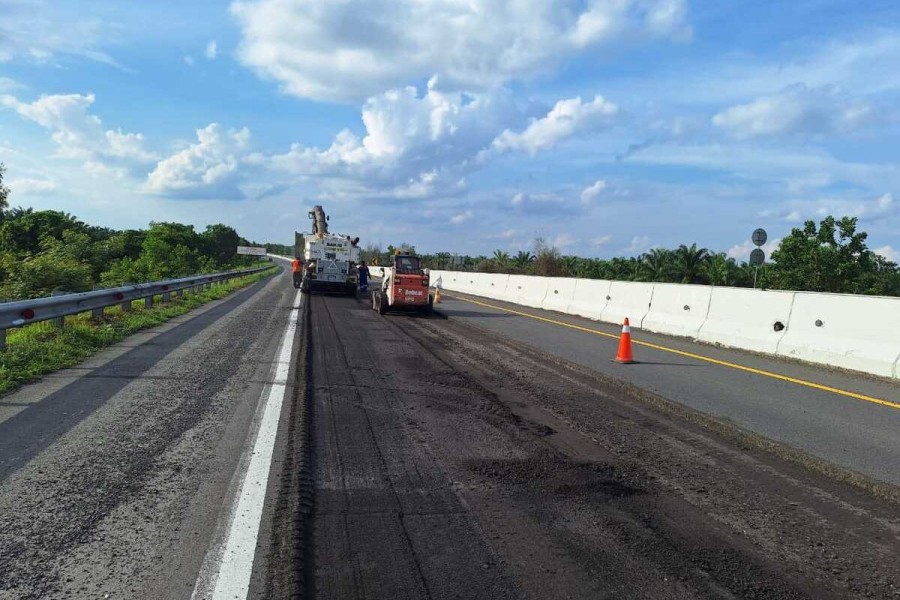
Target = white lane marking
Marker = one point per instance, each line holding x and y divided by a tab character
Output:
235	563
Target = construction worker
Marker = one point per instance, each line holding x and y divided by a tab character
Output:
297	271
363	272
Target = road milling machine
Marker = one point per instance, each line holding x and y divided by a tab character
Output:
329	259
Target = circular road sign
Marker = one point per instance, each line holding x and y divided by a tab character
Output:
759	237
757	257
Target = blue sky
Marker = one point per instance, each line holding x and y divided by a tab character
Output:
607	127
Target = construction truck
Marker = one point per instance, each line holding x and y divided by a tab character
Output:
405	286
329	259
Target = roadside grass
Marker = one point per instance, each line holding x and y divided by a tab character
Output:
42	348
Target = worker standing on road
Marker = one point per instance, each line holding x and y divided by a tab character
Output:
363	272
295	269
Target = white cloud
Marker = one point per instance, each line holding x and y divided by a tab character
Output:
742	251
601	241
564	240
638	245
36	187
567	118
209	168
78	134
211	50
796	110
593	191
189	61
39	31
349	50
8	85
413	146
797	211
461	217
889	253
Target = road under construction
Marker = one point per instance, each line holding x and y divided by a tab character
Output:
282	445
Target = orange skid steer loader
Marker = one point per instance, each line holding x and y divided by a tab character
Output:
404	287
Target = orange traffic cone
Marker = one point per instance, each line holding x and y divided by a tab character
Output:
437	295
625	356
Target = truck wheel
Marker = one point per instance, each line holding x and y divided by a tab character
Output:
304	287
382	304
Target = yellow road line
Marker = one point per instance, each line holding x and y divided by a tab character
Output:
715	361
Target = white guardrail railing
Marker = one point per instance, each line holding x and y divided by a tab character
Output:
24	312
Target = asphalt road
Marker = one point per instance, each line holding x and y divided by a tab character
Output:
400	456
858	435
115	475
445	461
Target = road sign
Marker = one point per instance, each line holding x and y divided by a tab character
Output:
757	257
253	250
759	237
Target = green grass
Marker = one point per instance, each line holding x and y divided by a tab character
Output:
42	348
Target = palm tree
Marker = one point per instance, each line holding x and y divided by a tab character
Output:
501	259
720	270
689	262
523	259
657	264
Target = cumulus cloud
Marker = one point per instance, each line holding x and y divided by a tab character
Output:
461	217
742	251
889	252
79	134
592	192
352	49
567	118
32	187
601	241
211	50
796	110
414	146
8	85
638	245
870	209
209	168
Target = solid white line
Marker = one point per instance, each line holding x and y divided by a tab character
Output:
236	558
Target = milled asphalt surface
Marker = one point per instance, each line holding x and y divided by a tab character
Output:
115	475
857	435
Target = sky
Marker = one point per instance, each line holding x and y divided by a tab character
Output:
606	127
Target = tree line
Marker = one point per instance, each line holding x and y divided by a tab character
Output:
46	250
830	256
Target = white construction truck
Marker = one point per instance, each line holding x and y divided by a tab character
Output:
329	260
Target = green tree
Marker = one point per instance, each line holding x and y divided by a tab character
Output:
689	261
830	258
657	265
220	243
4	194
501	260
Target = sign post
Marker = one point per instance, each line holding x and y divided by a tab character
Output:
758	257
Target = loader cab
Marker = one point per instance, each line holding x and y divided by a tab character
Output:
407	265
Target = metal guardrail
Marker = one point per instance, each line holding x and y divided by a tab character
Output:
24	312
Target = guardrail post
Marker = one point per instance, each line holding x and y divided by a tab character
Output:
2	334
59	322
179	293
148	302
166	296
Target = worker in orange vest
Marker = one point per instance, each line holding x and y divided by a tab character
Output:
297	272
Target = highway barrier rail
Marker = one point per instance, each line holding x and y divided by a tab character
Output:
850	331
58	307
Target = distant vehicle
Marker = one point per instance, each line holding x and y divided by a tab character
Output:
329	259
405	286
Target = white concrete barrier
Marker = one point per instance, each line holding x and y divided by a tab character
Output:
627	299
515	288
590	298
560	292
534	291
750	319
678	309
843	330
492	285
